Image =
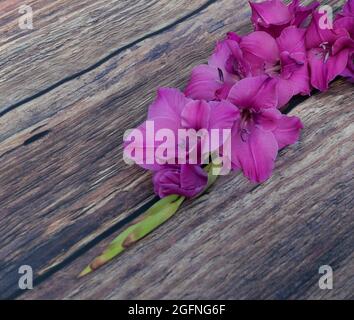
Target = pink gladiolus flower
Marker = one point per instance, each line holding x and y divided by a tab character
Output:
185	180
214	81
349	70
165	112
345	20
274	16
348	8
329	52
283	59
260	130
173	111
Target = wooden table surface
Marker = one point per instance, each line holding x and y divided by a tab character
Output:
69	89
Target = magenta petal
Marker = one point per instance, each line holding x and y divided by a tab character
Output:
169	104
226	51
184	180
237	67
223	115
318	71
259	47
294	73
169	175
268	119
348	73
196	115
219	57
204	83
337	64
273	16
348	8
349	70
301	82
270	12
294	77
346	23
287	131
193	179
167	181
223	92
324	70
298	83
315	35
292	39
285	91
343	42
301	12
254	155
294	64
254	92
293	52
233	36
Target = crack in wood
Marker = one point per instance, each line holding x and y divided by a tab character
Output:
105	59
114	228
36	137
50	270
295	101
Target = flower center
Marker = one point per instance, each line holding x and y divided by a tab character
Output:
233	66
325	51
272	69
246	121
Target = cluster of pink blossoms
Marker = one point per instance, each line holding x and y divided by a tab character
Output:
292	50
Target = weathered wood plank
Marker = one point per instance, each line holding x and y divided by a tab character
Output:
126	71
70	36
71	184
268	243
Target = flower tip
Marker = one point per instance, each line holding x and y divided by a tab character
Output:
85	272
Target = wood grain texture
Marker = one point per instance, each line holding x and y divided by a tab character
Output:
70	185
165	59
266	243
70	36
62	178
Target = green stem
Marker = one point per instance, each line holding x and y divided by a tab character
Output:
155	216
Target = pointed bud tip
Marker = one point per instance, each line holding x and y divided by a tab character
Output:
85	272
